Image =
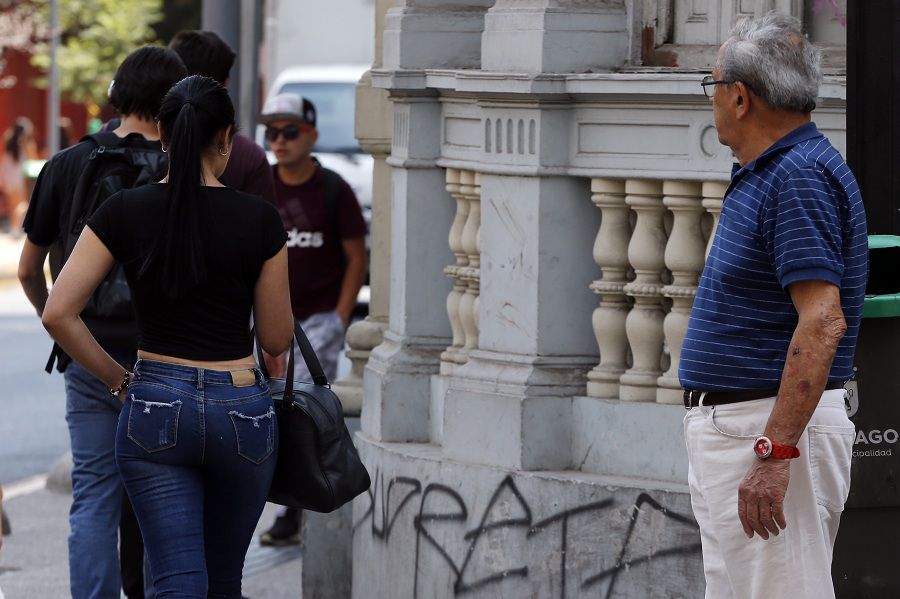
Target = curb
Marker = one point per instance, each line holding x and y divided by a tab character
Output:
59	478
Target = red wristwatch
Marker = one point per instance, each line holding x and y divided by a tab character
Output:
765	448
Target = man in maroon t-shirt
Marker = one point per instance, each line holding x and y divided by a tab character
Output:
327	260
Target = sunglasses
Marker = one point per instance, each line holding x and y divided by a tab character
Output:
290	132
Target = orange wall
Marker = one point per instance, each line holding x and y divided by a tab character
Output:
23	99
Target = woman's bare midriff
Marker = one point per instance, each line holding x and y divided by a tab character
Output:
240	364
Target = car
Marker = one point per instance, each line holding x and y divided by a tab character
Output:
332	89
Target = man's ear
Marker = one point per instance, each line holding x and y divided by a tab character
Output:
743	100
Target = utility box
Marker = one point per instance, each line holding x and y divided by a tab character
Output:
865	554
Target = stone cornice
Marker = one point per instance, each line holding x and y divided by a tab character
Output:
665	85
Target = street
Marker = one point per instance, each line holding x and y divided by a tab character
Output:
33	432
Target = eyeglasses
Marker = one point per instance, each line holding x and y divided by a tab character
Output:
290	132
708	81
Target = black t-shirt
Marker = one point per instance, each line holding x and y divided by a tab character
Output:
211	322
48	214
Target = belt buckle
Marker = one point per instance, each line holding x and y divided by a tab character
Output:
688	398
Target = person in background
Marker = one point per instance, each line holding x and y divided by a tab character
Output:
196	443
141	82
326	250
205	53
18	146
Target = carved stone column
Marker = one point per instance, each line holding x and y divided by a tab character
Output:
470	188
374	135
611	254
454	354
713	196
684	257
397	379
644	325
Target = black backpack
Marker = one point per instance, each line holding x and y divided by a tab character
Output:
114	164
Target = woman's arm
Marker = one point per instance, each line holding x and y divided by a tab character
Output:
89	263
272	305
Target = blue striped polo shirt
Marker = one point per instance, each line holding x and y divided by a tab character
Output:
793	214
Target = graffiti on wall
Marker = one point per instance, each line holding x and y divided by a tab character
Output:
507	509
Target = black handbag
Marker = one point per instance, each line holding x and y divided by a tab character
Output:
318	466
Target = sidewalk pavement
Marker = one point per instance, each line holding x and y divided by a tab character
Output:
34	563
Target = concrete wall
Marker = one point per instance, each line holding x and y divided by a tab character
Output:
432	528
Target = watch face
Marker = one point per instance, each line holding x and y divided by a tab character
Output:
763	447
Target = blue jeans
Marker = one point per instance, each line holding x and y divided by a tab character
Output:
92	415
197	451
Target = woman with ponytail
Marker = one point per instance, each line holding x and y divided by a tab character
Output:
197	437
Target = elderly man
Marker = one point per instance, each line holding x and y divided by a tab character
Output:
773	328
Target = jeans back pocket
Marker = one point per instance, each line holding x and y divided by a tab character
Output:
153	425
255	434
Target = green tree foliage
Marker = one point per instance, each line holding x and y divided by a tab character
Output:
95	36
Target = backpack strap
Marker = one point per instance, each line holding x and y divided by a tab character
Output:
333	190
332	197
104	143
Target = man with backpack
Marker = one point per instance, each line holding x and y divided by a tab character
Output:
326	249
69	189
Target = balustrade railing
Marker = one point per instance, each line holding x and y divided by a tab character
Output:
651	247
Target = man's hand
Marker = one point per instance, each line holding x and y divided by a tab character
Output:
761	497
276	365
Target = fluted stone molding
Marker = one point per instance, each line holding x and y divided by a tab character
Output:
644	324
684	258
554	36
713	194
470	188
454	355
608	320
423	34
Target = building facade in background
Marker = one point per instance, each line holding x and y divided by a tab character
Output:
547	181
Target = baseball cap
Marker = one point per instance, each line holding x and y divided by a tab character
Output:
288	106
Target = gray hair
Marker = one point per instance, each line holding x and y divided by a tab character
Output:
772	57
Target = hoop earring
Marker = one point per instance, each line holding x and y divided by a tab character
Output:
221	153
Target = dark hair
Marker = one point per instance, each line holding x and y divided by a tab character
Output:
192	114
143	79
204	53
14	135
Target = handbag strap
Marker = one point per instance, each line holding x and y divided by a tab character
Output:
309	356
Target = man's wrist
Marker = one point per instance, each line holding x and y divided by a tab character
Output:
765	448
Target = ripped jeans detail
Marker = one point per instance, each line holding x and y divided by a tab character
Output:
153	425
255	434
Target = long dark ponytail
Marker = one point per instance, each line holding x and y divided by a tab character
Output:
194	111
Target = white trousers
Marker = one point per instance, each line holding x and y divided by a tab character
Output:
796	564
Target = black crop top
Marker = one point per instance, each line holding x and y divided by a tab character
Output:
211	322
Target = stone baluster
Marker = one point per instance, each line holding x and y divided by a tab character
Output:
644	324
713	194
684	257
454	355
611	254
470	188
